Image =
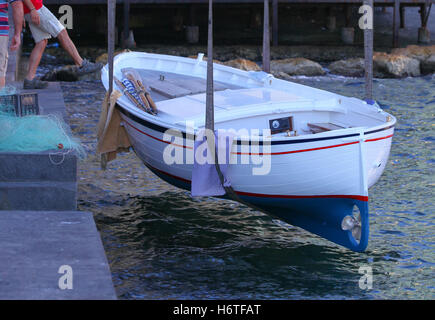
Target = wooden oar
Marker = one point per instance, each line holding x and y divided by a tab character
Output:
148	96
129	95
145	96
138	89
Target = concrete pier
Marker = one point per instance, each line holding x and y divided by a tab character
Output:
34	245
48	250
40	229
38	181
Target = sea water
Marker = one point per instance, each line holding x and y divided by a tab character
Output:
162	244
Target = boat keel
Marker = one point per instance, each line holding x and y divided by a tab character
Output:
321	216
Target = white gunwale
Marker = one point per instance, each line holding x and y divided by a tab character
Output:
321	100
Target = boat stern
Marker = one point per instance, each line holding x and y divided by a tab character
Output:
342	220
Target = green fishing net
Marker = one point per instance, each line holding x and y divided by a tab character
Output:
34	133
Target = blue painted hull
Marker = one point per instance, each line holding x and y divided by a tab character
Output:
320	215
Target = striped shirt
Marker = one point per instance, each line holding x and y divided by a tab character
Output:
4	21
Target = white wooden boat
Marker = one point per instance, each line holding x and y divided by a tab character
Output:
325	149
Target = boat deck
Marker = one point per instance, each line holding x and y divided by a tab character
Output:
226	102
168	85
182	97
242	100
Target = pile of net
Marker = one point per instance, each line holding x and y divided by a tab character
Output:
34	133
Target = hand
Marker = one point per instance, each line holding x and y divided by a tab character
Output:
16	41
34	15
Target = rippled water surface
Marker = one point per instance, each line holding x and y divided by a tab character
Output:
163	244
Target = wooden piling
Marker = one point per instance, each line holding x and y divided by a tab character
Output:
368	56
266	38
396	23
111	16
425	13
209	116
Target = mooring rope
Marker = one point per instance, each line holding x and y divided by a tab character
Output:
209	114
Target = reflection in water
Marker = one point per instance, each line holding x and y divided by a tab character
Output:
163	244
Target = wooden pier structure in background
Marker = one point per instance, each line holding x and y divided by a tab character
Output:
398	5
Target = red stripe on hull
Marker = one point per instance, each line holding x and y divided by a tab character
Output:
267	154
148	135
296	151
377	139
260	195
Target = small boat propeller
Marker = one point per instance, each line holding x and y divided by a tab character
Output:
350	223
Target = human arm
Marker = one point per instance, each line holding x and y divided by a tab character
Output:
34	15
18	15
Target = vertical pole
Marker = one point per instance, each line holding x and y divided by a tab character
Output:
402	17
111	15
396	23
368	56
209	113
274	23
425	13
126	22
422	14
209	109
266	38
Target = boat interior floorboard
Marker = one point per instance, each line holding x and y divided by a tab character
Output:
168	85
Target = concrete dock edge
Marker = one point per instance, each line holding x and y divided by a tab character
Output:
48	250
36	244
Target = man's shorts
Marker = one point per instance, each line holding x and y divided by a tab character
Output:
4	46
48	27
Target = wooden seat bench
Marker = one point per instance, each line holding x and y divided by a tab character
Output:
167	89
322	127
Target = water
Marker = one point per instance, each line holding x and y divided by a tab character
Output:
161	244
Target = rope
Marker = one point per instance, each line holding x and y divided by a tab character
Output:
209	113
61	153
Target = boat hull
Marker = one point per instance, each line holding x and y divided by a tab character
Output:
313	181
311	184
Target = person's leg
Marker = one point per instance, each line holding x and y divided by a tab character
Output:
4	40
41	39
51	25
35	58
70	48
84	66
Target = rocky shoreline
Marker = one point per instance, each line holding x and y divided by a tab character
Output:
287	62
